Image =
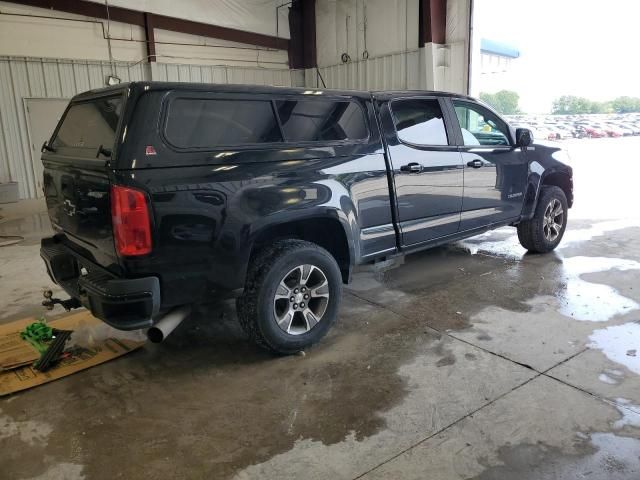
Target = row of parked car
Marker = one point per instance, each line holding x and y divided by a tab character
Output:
559	127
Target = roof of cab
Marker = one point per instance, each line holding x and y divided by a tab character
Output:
237	88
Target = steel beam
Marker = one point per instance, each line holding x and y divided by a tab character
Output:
432	27
134	17
150	37
302	28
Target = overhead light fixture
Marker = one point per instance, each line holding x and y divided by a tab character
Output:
113	80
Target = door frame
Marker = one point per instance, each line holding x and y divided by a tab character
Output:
457	130
462	148
389	132
25	101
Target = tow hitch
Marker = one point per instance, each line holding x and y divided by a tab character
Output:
49	302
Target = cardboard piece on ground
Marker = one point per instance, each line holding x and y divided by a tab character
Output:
16	352
92	343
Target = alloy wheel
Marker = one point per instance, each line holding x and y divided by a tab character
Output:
553	220
301	299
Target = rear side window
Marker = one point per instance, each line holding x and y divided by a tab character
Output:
87	125
419	121
209	123
321	120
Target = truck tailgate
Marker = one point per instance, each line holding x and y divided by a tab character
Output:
77	177
79	208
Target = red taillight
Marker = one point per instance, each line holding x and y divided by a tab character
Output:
131	222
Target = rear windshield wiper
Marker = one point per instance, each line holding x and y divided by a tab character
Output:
104	151
47	147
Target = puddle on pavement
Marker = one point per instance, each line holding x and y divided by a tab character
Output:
504	242
630	414
597	456
447	290
594	302
579	299
438	287
598	229
500	243
31	227
611	376
432	402
450	286
620	344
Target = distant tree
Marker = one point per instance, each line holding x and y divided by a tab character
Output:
599	107
570	104
504	101
626	104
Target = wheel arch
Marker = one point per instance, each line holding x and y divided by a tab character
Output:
539	177
561	179
328	231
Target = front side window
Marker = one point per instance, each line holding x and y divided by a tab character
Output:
321	120
88	125
209	123
479	126
419	121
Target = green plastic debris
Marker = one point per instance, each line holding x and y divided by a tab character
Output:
38	334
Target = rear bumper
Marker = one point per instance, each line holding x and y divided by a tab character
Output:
126	304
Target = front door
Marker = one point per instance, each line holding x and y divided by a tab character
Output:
427	168
495	170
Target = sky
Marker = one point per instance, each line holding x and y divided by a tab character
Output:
588	48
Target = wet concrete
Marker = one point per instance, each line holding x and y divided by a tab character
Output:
474	360
528	434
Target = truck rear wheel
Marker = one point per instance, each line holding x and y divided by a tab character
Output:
291	297
544	231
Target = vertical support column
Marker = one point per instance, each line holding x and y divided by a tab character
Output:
458	43
309	28
432	33
150	37
433	22
302	28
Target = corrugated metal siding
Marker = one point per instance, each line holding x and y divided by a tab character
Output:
22	78
226	74
388	72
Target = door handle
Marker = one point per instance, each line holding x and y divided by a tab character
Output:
475	163
412	167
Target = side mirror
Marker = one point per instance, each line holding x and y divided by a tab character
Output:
524	137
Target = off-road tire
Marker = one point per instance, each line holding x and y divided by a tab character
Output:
255	306
531	232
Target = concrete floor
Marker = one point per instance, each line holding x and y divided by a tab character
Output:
469	361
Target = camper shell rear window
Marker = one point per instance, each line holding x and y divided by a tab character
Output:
89	124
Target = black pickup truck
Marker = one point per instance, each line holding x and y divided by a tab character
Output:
168	194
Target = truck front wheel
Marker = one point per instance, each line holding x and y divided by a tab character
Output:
291	297
544	231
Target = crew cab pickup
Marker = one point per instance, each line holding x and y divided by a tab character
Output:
164	195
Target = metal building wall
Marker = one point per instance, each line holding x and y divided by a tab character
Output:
22	77
387	72
227	74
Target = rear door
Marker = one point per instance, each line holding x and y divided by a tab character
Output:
495	170
76	176
427	168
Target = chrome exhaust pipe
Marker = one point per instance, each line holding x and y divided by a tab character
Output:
168	323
